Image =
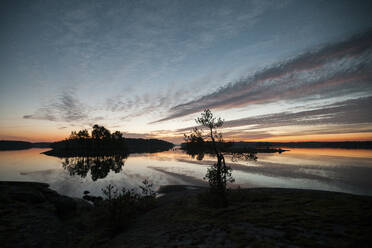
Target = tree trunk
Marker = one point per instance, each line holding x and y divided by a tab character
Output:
221	182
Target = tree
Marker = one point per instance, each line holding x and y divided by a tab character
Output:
83	134
195	138
73	135
117	135
100	132
219	174
195	144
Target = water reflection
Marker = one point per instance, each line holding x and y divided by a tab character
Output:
234	156
345	170
99	166
196	155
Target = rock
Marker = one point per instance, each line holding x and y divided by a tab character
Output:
65	206
93	199
32	197
32	215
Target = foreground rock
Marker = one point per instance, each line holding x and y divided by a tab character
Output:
32	215
255	218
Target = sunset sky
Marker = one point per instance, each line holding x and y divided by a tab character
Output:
274	70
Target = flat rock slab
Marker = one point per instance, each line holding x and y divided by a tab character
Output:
32	215
261	217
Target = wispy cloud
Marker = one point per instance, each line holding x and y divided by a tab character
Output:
355	111
136	105
333	70
342	117
66	107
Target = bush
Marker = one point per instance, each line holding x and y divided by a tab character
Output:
120	207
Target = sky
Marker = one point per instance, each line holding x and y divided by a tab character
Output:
273	70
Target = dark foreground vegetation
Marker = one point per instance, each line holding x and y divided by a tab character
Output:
32	215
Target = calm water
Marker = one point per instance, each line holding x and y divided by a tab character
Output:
343	170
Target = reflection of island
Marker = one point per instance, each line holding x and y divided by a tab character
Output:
198	148
199	155
235	156
99	166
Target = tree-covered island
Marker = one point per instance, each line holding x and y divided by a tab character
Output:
102	142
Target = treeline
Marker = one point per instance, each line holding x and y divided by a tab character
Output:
102	142
205	146
315	144
147	145
21	145
267	147
194	147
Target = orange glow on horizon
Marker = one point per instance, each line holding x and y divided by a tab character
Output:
319	137
338	152
50	136
34	137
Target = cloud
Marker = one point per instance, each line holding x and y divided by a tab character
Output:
354	111
332	70
136	40
136	105
66	107
349	116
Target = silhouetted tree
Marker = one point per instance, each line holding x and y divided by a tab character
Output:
195	144
83	134
100	132
73	135
117	135
195	138
102	142
219	174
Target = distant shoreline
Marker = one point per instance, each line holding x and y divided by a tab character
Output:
9	145
60	148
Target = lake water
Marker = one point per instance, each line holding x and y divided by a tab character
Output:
343	170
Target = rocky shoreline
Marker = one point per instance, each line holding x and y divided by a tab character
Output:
32	215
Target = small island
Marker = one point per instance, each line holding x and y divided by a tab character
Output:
101	142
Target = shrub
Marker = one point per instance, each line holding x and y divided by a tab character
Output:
120	207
